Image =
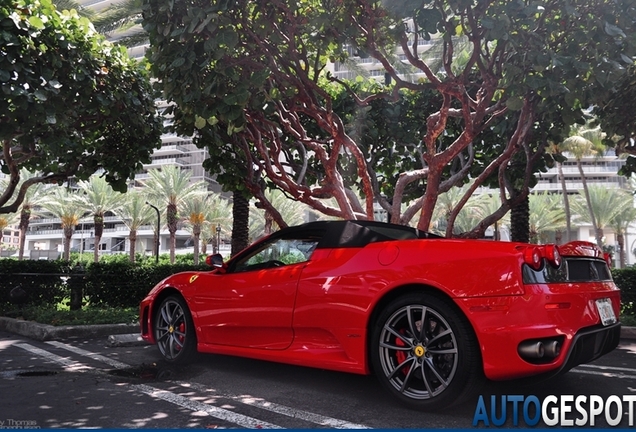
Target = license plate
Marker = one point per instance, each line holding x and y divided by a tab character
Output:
605	311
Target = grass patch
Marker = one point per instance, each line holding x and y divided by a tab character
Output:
85	316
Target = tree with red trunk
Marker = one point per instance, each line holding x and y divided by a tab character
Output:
252	81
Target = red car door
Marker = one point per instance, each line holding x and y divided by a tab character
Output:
250	308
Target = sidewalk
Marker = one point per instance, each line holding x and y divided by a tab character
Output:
119	334
45	332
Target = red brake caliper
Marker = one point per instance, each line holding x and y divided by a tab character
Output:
182	330
401	355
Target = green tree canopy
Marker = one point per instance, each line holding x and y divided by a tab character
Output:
616	116
71	103
251	79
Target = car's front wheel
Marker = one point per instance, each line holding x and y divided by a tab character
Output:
174	330
425	352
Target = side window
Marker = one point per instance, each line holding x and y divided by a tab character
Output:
279	253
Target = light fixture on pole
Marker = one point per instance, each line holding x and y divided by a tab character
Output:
158	231
218	238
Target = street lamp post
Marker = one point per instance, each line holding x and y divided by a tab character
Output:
158	228
218	238
82	243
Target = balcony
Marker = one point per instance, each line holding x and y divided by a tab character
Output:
169	161
171	149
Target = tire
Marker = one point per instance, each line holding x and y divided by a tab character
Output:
426	367
174	331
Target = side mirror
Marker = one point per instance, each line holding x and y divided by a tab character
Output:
215	260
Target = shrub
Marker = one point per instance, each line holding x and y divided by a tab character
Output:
114	284
125	284
625	279
35	282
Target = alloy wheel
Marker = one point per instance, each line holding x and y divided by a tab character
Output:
418	352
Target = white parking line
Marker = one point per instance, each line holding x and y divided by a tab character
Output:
605	371
604	374
614	368
219	413
109	361
282	409
69	365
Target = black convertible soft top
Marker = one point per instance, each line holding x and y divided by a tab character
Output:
353	233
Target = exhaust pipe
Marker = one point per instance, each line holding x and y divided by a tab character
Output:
531	349
552	349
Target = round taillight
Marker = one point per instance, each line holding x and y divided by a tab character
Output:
553	255
532	257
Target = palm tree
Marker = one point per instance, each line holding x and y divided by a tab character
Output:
135	213
555	151
98	198
6	220
620	225
240	222
293	213
584	143
123	18
72	4
468	217
65	206
171	185
194	211
606	204
546	214
218	221
31	200
34	194
486	204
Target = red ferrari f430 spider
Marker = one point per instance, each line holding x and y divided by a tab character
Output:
429	316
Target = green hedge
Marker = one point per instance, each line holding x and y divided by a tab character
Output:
41	282
112	284
125	284
625	279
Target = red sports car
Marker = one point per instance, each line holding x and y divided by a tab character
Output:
429	316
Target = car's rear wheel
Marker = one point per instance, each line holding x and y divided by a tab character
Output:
424	351
174	330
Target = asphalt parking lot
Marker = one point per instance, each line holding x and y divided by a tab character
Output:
96	379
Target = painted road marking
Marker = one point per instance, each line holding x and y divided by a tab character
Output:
605	371
281	409
219	413
614	368
109	361
69	365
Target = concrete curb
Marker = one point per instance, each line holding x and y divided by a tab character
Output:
124	340
45	332
628	332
